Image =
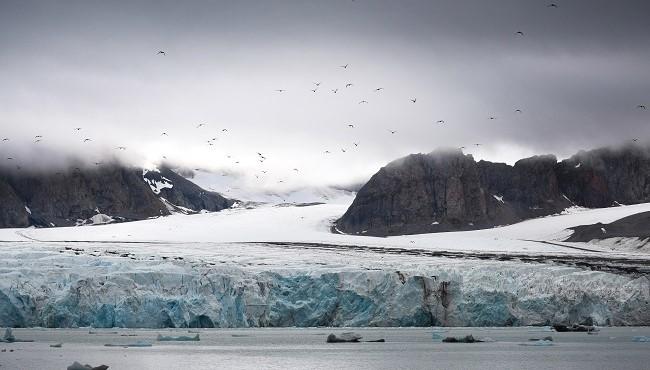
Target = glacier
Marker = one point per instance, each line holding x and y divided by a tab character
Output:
79	287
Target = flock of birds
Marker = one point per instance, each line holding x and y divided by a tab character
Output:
261	158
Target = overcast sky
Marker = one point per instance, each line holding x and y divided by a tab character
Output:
577	74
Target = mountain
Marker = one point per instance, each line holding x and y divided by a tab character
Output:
109	193
448	191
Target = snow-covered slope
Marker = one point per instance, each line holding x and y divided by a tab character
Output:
281	266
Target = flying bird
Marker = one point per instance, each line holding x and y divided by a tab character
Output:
356	144
363	102
348	85
164	134
344	66
37	140
441	121
519	33
38	137
280	90
517	110
327	152
414	100
392	131
224	130
295	169
477	144
314	90
317	83
160	52
5	139
85	140
200	125
77	128
635	140
491	118
343	150
641	106
552	5
335	90
351	126
121	148
379	89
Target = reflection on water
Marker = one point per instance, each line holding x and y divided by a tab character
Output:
285	348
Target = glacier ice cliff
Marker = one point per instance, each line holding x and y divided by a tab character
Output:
50	289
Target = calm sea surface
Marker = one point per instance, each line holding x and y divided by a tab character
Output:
291	348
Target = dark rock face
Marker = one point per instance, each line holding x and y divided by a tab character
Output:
634	226
185	193
64	198
447	191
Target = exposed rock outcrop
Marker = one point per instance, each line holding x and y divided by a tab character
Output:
447	191
82	195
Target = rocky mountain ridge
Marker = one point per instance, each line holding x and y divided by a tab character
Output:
109	193
447	190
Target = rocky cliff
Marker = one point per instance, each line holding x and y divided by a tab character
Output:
108	193
446	190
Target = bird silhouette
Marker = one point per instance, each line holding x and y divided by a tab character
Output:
393	131
517	110
343	150
641	106
492	118
519	33
224	130
348	85
327	152
317	83
356	144
164	134
477	144
335	90
351	126
38	137
344	66
121	148
441	121
314	90
379	89
10	158
280	90
85	140
200	125
5	139
552	5
414	100
77	128
363	102
160	52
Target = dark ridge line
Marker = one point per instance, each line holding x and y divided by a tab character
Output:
561	245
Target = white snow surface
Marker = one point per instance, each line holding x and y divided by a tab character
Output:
223	269
312	224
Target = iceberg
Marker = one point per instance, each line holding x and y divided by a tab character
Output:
182	338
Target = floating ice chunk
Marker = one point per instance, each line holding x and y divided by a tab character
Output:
641	338
56	345
182	338
343	338
538	343
77	366
139	343
9	336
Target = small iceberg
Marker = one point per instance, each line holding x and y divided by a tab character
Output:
538	343
641	338
9	337
182	338
344	338
126	345
465	339
77	366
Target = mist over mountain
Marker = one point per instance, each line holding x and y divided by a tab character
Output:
447	190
